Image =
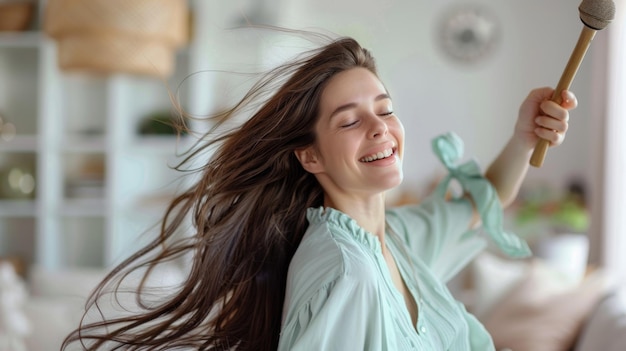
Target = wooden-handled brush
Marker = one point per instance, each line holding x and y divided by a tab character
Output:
595	15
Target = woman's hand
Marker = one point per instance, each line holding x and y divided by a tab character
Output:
541	118
538	118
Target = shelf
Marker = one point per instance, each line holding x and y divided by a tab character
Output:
17	240
83	208
153	204
19	91
83	242
18	208
19	143
99	184
162	144
29	39
85	144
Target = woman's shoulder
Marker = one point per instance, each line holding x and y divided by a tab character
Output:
430	216
328	252
328	263
333	249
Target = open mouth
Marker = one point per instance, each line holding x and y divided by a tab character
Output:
379	155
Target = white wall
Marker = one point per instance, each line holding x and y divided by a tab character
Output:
433	94
612	244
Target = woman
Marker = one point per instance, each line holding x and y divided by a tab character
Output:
298	191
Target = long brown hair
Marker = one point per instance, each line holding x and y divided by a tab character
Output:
248	210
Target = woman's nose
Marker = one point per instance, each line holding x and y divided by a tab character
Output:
378	127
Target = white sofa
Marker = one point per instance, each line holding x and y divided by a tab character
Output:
605	328
55	303
531	305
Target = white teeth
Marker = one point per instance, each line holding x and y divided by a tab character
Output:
380	155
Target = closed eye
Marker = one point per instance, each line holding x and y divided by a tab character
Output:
387	113
349	124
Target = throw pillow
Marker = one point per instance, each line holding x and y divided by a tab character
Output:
492	278
606	327
541	313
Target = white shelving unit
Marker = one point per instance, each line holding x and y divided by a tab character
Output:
19	141
73	127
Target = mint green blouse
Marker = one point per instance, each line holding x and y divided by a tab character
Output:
340	295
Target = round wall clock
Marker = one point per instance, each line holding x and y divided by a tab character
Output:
468	33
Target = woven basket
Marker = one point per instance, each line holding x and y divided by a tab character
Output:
118	36
16	15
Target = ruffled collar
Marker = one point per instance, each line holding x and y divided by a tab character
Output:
317	215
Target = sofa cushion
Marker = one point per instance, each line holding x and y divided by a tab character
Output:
605	329
540	315
57	300
52	319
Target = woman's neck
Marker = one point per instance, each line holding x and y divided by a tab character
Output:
368	213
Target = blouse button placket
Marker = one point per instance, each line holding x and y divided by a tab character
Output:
420	327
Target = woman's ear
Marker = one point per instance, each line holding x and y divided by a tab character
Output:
308	159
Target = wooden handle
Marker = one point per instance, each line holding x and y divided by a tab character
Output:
584	40
539	154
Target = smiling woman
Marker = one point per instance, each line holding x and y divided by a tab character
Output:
292	246
358	152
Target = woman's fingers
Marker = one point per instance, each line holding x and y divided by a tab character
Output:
552	124
552	109
569	100
555	138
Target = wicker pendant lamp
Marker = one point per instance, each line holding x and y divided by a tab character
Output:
118	36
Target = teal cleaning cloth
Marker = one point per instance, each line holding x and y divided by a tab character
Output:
449	149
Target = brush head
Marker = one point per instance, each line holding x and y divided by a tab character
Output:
597	14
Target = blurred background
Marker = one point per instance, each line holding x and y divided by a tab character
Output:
86	88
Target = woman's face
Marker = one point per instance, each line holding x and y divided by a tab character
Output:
360	140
